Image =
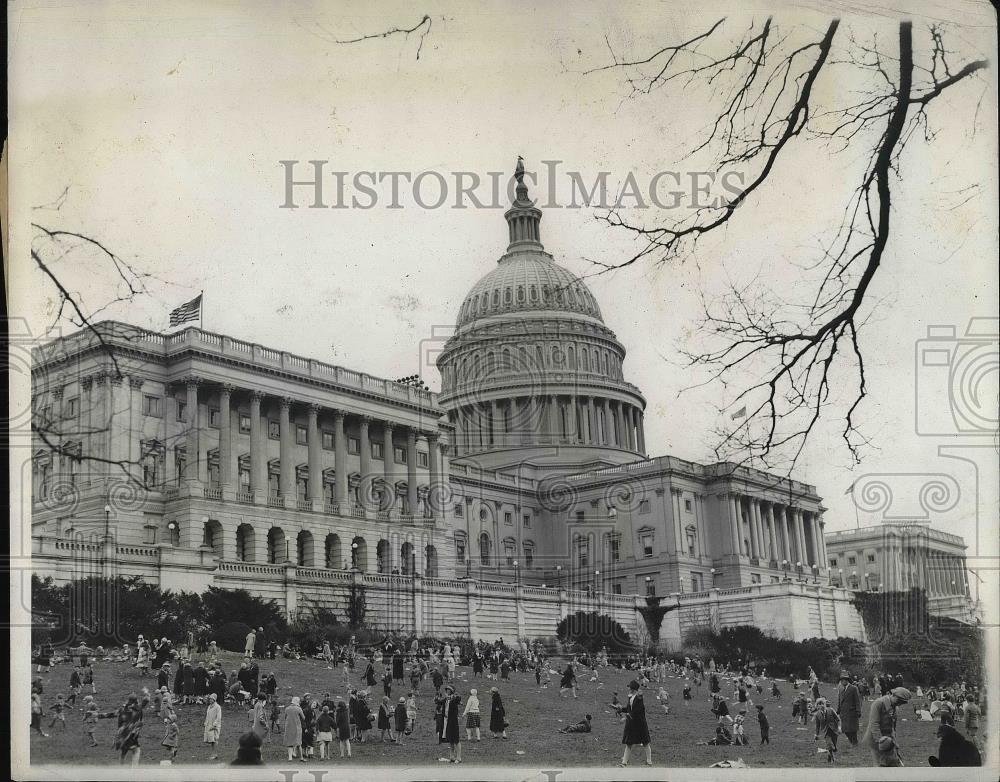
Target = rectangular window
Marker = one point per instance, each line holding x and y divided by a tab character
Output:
353	445
72	407
421	459
696	582
244	424
616	589
527	520
755	578
377	452
646	544
181	410
273	430
615	543
529	556
852	560
643	506
508	552
214	417
687	505
833	563
583	554
399	455
871	558
459	509
508	517
301	435
460	549
650	587
327	441
213	476
580	516
690	542
244	479
151	405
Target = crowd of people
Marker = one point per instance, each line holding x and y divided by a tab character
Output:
307	725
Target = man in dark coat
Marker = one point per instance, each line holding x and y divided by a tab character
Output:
253	670
636	728
849	707
955	749
163	677
450	733
881	733
397	667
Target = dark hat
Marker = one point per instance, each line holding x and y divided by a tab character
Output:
759	707
633	685
250	740
845	674
902	693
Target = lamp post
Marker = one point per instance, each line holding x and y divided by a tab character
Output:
715	575
840	577
354	556
815	569
649	581
517	573
558	576
798	569
107	522
597	580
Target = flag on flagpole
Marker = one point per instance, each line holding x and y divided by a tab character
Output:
188	311
741	413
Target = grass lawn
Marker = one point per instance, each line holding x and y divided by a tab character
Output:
534	715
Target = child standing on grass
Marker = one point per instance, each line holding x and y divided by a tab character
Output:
36	712
275	725
59	709
75	685
399	717
827	728
765	727
472	717
343	722
385	718
687	692
88	678
411	713
739	732
325	723
171	736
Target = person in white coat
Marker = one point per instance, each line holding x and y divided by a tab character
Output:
213	724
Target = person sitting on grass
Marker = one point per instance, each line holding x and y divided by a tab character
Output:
583	726
723	732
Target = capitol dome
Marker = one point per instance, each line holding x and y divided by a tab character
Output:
527	281
532	363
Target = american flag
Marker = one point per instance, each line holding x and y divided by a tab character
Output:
189	311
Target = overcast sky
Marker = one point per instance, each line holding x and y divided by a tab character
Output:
166	124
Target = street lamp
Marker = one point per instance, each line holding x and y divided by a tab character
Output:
107	522
815	569
715	574
354	556
649	581
798	569
597	580
558	576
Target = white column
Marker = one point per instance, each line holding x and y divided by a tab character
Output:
315	471
365	457
227	467
191	439
734	524
340	455
287	474
258	458
675	495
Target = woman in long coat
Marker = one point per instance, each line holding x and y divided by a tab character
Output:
292	731
636	728
258	718
308	725
498	715
213	724
397	667
450	732
188	683
369	677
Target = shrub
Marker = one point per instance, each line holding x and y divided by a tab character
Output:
232	636
592	631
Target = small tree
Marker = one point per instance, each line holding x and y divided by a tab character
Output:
593	631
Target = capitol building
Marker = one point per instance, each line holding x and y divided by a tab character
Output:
524	491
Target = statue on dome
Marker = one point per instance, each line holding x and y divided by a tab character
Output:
519	170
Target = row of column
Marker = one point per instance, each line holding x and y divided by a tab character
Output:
775	531
937	572
554	418
228	465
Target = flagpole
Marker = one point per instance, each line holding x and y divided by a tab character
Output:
201	311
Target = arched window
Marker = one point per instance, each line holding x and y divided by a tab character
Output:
520	294
333	554
304	549
382	556
275	545
212	536
244	543
407	559
484	550
508	296
584	360
430	561
571	357
496	297
534	293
